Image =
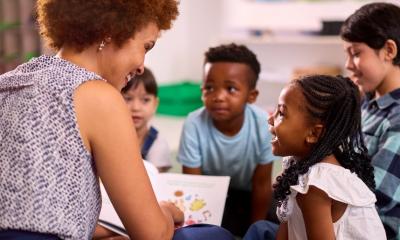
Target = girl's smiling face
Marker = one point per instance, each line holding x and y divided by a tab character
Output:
291	125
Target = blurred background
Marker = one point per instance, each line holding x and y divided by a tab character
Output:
290	38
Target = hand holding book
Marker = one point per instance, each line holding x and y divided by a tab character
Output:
200	198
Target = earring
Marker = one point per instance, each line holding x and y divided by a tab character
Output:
102	45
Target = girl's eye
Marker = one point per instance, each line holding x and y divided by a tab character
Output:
279	113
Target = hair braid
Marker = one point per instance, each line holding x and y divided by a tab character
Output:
335	101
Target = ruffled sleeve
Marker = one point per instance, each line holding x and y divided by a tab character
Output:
338	182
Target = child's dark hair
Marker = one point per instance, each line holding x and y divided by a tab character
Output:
335	101
374	24
148	80
235	53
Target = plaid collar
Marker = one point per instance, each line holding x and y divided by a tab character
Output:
385	101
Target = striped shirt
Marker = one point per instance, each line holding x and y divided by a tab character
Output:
381	129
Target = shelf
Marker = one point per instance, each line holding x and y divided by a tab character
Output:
288	40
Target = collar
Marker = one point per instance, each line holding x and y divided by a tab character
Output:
386	100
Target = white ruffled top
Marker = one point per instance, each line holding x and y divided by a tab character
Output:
359	221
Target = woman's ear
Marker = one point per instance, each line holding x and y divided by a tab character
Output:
314	134
390	50
252	96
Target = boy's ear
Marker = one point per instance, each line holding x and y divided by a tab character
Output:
390	50
314	134
252	96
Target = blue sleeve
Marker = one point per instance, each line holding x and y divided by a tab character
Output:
189	154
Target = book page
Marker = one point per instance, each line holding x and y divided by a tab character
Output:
201	198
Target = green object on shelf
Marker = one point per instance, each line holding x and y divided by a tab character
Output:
8	25
29	55
179	99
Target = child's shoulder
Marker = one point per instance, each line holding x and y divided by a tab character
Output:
256	111
196	114
197	118
337	182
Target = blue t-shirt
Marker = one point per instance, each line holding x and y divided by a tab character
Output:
202	145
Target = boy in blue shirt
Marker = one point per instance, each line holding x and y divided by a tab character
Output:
229	136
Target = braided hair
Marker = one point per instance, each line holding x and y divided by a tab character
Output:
335	101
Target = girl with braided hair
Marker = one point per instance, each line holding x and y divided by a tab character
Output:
325	190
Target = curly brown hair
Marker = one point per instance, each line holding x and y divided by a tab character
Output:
81	23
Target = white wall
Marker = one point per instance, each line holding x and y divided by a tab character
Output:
178	54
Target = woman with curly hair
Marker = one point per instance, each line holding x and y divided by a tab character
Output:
325	190
64	124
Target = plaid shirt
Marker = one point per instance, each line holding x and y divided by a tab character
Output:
381	129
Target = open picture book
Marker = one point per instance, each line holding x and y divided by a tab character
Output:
201	198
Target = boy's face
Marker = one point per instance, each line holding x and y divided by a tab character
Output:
367	66
141	104
290	125
226	90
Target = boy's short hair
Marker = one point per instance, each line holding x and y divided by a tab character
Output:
374	24
148	80
235	53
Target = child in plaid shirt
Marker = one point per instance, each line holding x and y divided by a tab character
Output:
371	40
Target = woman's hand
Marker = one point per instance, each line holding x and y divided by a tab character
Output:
102	233
176	214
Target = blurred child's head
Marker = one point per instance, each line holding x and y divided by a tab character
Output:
140	94
318	116
371	39
229	80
